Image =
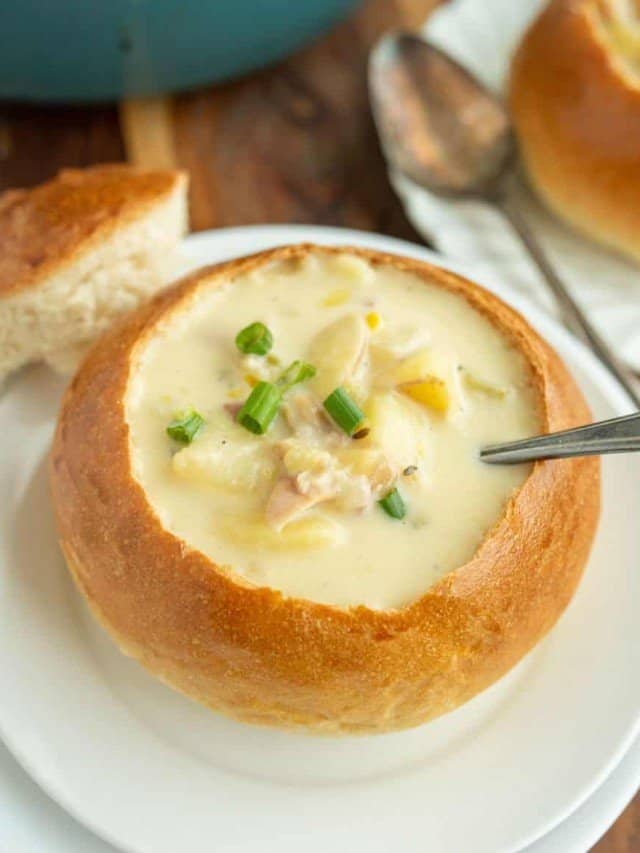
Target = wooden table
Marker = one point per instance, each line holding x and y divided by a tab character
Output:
291	144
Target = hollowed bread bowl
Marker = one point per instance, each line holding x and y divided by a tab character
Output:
263	657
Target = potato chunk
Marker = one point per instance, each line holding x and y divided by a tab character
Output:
351	268
398	428
430	392
227	463
414	367
337	352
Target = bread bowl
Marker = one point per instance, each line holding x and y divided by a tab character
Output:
78	251
150	531
574	96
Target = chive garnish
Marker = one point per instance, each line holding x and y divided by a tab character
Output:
185	426
263	402
393	504
260	408
298	371
344	411
255	339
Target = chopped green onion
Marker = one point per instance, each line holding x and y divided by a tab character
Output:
255	338
344	411
185	426
393	504
260	408
298	371
263	402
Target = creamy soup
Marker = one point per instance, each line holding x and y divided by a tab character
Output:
370	511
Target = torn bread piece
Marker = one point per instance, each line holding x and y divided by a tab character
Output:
79	251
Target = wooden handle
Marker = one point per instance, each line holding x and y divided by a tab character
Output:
147	132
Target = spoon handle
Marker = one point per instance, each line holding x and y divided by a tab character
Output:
618	435
572	315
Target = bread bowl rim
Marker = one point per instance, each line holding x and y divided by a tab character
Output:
460	596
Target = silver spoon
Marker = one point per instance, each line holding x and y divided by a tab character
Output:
439	126
618	435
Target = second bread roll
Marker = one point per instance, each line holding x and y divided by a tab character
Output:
575	100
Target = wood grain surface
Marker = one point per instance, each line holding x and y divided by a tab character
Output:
294	143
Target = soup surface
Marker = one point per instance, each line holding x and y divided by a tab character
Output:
367	509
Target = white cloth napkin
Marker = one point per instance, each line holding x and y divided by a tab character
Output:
482	35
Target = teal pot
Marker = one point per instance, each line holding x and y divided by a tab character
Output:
95	50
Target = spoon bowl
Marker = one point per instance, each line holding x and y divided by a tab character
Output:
437	123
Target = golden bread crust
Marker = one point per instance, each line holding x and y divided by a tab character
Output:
576	110
262	657
44	228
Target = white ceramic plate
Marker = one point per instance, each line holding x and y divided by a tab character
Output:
31	821
153	772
